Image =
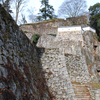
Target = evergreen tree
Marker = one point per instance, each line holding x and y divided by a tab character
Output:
47	11
95	17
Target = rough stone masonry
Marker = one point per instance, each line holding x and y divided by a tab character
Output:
71	60
21	75
76	51
63	70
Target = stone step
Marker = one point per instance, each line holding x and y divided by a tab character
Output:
80	96
81	92
83	99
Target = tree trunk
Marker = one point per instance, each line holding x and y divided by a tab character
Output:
45	12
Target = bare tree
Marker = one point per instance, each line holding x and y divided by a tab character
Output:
32	16
24	21
39	17
72	8
19	5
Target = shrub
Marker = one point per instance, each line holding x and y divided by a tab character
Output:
25	32
35	38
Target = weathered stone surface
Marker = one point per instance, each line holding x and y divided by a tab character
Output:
77	68
56	74
68	62
21	76
75	55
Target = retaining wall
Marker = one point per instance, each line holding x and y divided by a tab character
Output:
56	73
21	76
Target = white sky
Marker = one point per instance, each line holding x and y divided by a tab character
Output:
57	3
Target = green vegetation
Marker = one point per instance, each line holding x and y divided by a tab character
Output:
34	26
25	32
95	18
95	85
35	38
52	34
47	11
53	20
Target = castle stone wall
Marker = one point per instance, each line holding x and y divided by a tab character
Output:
56	73
42	28
64	70
77	68
69	35
69	47
21	76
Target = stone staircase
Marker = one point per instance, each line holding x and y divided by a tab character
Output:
81	92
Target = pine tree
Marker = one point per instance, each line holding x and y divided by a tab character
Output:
47	11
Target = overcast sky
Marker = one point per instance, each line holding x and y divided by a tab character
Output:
57	3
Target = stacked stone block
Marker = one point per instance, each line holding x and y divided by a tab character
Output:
58	80
21	76
70	35
77	68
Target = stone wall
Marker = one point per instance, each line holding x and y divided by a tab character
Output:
70	35
97	94
44	40
66	73
77	68
21	76
80	20
80	61
67	68
56	73
42	28
51	27
69	47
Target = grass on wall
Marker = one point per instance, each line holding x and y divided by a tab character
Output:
35	38
52	35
